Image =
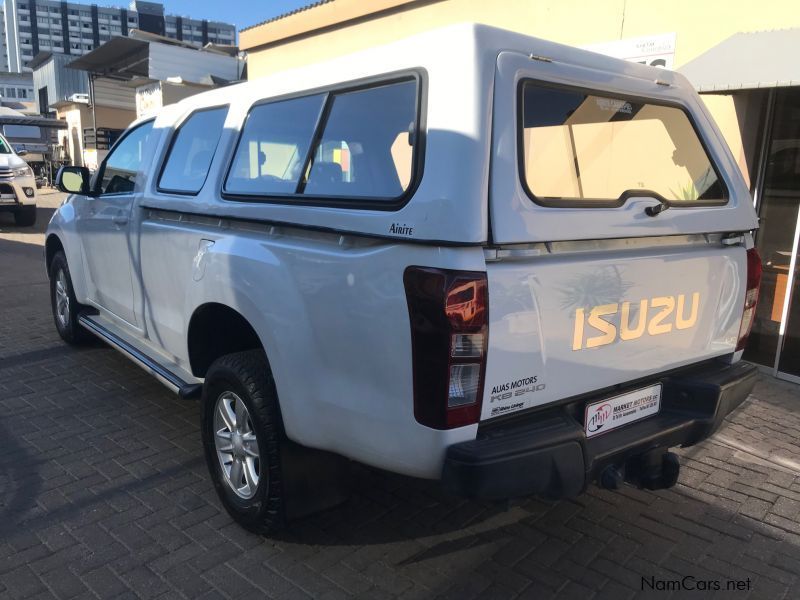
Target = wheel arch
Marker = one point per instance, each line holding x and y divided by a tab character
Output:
52	245
216	329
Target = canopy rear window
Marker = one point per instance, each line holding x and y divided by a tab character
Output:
584	149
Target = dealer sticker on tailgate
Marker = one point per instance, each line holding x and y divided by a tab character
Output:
611	413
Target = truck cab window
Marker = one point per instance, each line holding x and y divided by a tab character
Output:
118	172
190	156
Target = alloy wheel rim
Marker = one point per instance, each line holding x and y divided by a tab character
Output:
236	445
62	298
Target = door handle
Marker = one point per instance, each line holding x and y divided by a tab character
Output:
120	219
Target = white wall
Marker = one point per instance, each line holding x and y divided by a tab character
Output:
189	64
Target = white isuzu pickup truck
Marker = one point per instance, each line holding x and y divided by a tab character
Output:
471	255
17	186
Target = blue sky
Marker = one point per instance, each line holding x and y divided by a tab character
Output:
241	13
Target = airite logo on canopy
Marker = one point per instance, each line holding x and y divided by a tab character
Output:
656	316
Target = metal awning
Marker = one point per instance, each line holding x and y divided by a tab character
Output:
746	61
34	121
9	116
118	58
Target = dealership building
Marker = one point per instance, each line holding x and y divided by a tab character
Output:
741	57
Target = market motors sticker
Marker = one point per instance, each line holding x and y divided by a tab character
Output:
611	413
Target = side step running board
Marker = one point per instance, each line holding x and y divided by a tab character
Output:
165	376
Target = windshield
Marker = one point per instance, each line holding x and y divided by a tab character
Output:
5	147
581	147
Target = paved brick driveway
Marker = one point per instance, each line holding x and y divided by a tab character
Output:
103	492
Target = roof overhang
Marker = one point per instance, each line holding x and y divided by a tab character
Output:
747	61
34	121
39	59
119	58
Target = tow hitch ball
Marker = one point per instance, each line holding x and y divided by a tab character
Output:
653	470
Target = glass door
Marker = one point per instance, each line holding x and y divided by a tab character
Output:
789	334
775	340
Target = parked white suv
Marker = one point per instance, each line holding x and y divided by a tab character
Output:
17	186
472	255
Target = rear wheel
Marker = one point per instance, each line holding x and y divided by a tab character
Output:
66	308
25	216
242	433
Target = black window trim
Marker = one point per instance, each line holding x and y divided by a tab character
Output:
371	203
102	169
174	138
316	139
581	203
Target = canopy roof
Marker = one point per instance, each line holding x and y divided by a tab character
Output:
9	116
745	61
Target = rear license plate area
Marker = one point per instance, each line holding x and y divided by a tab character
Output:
610	413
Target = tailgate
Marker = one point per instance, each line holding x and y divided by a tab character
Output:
611	192
572	318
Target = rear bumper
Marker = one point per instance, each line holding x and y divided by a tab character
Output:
546	453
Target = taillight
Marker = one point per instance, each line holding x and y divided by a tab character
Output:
750	296
449	332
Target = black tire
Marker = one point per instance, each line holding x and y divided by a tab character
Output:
25	216
247	374
69	329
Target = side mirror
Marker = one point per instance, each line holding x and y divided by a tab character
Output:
21	152
73	180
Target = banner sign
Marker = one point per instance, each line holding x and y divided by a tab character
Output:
653	50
